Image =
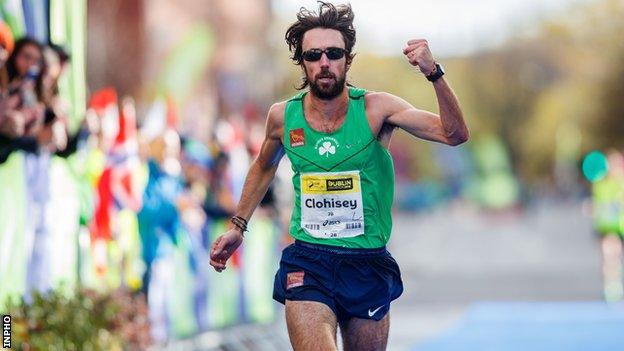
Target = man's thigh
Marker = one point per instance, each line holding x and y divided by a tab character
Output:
365	334
311	326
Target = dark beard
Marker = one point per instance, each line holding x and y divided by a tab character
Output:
329	93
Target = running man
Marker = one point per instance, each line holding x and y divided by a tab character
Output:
338	272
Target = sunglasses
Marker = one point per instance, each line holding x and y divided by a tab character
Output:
332	54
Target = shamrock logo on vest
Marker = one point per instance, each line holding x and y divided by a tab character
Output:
326	149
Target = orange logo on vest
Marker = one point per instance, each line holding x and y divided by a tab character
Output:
297	138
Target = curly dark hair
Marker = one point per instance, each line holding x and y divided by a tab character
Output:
339	17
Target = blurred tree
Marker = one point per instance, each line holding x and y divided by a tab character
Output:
611	112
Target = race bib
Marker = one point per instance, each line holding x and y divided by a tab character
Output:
331	204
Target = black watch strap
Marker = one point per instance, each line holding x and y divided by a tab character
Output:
437	74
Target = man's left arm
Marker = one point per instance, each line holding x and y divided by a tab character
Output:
448	127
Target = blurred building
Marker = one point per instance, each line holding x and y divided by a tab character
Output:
212	56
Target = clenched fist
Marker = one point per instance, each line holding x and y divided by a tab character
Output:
418	54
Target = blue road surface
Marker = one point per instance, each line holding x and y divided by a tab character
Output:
534	326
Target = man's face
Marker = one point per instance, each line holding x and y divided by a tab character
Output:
326	77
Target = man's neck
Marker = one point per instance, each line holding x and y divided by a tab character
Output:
329	109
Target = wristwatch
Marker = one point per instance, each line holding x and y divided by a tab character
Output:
436	74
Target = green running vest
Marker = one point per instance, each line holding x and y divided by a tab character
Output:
343	181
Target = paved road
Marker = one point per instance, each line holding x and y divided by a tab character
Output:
454	257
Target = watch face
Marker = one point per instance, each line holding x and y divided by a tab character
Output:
438	73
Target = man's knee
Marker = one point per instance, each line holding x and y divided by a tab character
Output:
311	325
365	334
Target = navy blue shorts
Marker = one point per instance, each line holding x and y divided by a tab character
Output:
358	283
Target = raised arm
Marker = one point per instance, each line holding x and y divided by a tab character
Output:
259	177
448	127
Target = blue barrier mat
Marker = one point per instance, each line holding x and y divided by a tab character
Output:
534	326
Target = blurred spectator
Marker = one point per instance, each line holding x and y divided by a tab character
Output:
159	222
56	108
608	212
220	203
56	61
34	122
158	218
196	163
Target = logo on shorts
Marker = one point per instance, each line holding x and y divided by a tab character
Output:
372	313
297	138
294	279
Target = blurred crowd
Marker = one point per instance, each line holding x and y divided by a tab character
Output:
112	204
